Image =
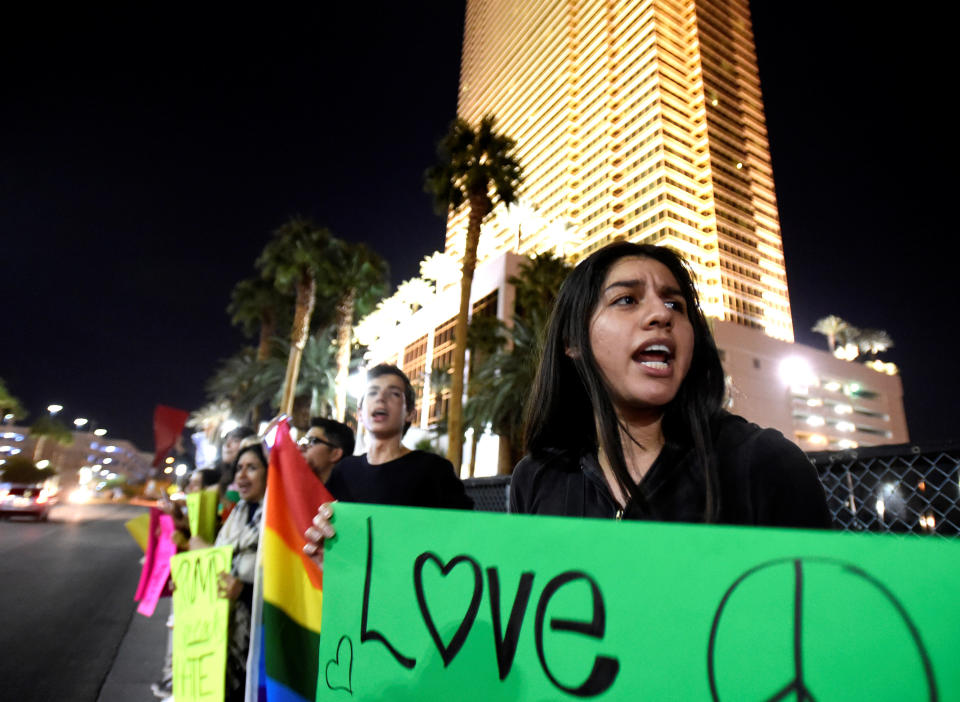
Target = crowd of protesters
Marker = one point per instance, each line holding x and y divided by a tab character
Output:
240	480
625	421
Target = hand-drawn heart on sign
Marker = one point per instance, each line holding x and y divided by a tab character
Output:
338	669
448	652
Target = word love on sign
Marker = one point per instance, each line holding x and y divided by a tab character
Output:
439	604
200	624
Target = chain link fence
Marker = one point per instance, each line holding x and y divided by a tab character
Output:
901	489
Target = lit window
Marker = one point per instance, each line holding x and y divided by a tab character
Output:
815	420
843	409
845	426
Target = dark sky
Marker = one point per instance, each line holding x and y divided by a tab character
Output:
147	151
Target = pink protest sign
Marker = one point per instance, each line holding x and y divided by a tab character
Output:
149	555
161	548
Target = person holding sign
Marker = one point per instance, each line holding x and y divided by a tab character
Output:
389	473
242	531
626	421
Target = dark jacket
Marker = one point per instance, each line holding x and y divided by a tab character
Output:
764	480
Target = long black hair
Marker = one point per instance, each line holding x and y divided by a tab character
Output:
570	403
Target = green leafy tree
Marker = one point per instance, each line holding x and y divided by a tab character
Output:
476	166
10	404
46	427
294	260
20	469
354	280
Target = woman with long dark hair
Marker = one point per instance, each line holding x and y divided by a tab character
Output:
626	416
242	531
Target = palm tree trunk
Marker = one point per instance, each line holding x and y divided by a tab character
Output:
38	448
479	207
474	440
306	298
268	329
344	334
504	456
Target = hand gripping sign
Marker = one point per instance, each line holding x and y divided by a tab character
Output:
439	604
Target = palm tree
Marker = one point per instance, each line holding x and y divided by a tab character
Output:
244	382
293	260
355	278
512	357
477	167
497	386
834	328
316	380
256	306
209	418
874	341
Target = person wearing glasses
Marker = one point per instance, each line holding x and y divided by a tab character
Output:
325	443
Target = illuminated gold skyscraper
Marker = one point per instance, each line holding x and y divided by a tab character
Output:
637	120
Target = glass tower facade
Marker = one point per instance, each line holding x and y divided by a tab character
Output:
633	120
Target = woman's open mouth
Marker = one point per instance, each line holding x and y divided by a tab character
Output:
655	356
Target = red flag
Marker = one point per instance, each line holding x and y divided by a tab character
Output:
168	423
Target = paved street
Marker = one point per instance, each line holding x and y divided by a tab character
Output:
66	589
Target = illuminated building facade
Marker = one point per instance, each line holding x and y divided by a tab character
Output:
635	120
818	401
86	450
644	121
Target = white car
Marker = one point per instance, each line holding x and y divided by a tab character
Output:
32	500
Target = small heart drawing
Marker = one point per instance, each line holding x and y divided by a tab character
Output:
448	652
338	667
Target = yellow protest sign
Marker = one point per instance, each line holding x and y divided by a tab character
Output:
139	528
202	513
200	624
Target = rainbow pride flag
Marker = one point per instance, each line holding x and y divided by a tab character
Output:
283	659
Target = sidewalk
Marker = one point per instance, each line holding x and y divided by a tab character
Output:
139	659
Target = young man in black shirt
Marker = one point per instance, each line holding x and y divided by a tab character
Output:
389	473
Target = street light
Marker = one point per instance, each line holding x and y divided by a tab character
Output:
79	422
100	432
53	409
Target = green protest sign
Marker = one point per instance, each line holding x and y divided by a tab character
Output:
439	604
200	624
202	513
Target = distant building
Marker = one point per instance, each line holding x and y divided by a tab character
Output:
815	399
87	451
635	120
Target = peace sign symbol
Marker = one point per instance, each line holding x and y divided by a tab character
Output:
815	630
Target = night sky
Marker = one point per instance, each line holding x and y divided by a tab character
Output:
148	152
